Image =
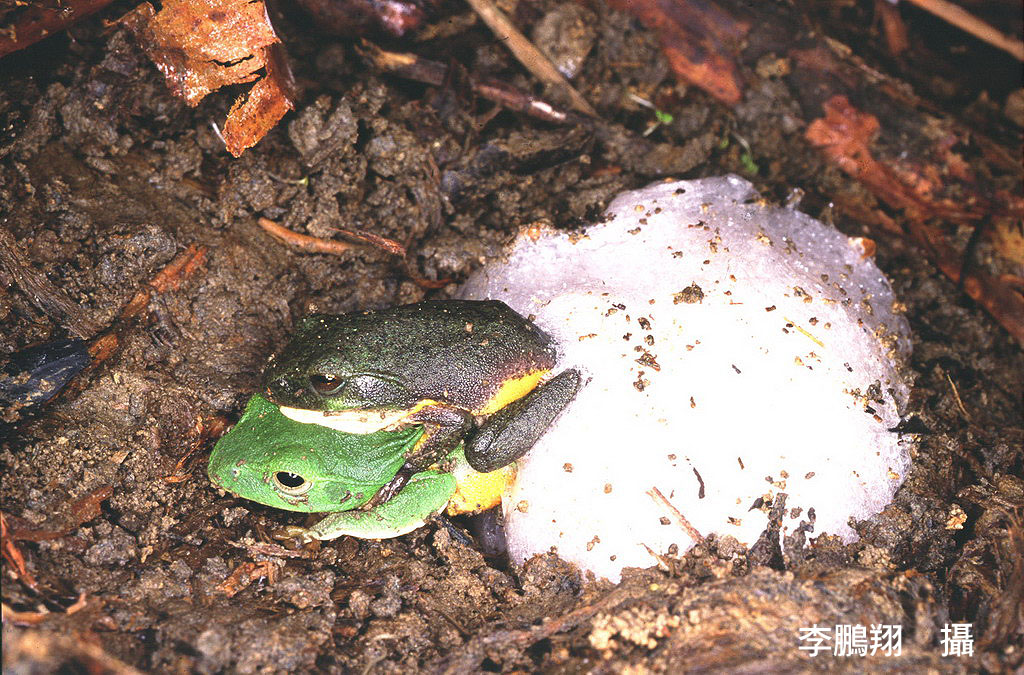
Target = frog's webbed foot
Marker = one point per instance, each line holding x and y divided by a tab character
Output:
509	433
444	427
456	534
296	532
425	494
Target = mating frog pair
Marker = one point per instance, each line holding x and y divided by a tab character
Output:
384	418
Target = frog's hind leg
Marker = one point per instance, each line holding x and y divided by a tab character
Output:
509	433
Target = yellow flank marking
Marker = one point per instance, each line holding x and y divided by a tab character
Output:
511	390
420	405
475	491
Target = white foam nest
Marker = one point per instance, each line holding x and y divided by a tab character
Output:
734	351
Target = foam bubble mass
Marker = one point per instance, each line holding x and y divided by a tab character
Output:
735	351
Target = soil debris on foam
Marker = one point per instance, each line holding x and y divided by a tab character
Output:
738	354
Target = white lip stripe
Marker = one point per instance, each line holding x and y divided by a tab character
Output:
348	421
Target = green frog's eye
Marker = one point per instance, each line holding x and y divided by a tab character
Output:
291	483
326	385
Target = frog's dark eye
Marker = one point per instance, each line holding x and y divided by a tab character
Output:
291	483
326	385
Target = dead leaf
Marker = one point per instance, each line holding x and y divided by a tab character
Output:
1008	239
203	45
13	555
253	115
697	39
245	574
80	511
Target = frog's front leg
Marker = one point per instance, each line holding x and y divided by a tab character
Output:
444	427
509	433
425	494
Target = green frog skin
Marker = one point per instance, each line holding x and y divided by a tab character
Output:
276	461
461	370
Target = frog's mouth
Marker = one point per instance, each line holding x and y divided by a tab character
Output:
365	421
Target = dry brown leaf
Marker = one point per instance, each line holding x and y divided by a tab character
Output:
253	115
13	555
1008	239
203	45
698	40
245	574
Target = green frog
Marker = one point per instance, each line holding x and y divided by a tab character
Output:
276	461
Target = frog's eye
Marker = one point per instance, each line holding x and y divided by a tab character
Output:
326	385
291	483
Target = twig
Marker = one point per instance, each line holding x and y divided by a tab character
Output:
42	292
108	343
36	23
803	332
274	550
659	498
419	69
966	21
956	395
893	26
669	564
17	618
531	57
316	245
319	245
79	605
423	607
183	266
375	240
302	241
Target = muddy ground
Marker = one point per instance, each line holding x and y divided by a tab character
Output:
135	561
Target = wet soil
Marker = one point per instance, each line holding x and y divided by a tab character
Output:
136	562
